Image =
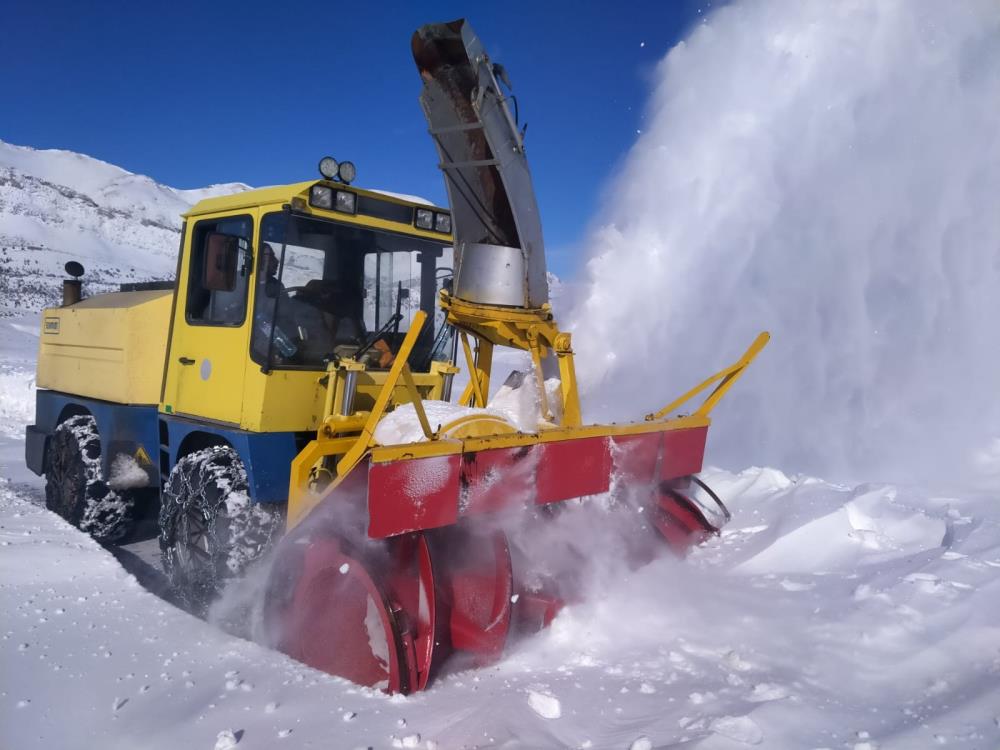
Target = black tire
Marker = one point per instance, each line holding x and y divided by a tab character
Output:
75	487
210	530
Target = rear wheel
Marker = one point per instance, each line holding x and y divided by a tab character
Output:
210	531
74	483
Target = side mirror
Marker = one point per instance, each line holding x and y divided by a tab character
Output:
221	255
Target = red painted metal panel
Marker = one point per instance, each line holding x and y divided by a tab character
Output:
411	495
573	468
634	456
679	523
497	479
683	452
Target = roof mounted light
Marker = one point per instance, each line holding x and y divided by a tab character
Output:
347	172
321	196
424	219
329	168
442	223
346	202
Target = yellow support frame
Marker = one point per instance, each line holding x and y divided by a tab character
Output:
725	379
353	449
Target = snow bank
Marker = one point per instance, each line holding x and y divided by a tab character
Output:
827	171
762	637
17	401
824	616
789	630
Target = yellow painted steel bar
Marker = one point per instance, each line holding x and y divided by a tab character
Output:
352	450
473	373
300	499
417	401
536	361
567	379
727	377
484	366
357	451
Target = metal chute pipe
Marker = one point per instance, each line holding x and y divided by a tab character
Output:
494	211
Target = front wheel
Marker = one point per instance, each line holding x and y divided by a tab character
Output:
210	530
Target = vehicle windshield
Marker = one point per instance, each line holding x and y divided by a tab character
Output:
326	290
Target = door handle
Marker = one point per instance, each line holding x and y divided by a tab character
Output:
186	361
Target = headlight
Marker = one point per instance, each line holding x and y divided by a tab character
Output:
347	171
321	196
425	219
345	202
328	167
442	223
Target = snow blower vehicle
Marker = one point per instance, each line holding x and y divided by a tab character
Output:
250	400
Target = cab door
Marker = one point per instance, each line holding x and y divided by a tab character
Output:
209	345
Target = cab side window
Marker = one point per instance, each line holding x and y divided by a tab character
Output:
219	271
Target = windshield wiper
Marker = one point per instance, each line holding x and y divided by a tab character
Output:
373	337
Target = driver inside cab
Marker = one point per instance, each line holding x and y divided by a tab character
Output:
315	322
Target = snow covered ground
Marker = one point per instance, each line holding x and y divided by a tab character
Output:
825	170
824	616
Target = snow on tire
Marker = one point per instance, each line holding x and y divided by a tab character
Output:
75	487
210	530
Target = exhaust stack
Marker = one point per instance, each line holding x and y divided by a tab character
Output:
72	291
499	252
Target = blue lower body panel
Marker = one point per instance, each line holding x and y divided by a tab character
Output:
157	441
123	429
267	456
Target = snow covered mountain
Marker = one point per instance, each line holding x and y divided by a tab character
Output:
57	206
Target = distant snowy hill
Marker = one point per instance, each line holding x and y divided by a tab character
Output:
57	206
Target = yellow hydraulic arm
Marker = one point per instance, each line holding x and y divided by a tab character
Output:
725	379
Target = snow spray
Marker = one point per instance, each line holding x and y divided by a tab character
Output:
828	172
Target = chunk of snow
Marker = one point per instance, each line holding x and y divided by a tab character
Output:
127	474
227	739
545	705
739	728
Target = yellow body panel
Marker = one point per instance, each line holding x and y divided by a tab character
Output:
283	400
109	347
207	363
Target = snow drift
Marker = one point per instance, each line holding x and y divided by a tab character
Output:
883	636
827	171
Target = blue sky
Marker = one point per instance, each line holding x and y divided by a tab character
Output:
198	93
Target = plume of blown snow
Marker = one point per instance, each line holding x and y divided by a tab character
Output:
828	172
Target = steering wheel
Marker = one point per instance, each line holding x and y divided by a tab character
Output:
380	334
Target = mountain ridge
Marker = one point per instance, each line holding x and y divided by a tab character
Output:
58	205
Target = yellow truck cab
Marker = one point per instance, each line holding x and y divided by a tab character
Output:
277	290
